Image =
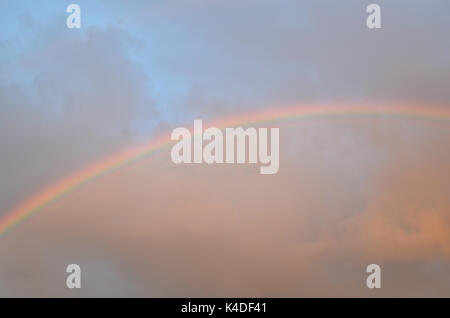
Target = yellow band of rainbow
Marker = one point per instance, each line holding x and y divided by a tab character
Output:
47	196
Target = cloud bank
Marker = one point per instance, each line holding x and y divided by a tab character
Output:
349	192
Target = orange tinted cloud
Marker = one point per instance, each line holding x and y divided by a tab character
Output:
349	192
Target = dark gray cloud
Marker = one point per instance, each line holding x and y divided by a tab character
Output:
250	54
68	100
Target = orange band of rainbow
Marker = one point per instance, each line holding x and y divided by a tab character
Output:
68	184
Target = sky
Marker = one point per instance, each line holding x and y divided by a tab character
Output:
350	191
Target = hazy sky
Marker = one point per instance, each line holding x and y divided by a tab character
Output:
349	192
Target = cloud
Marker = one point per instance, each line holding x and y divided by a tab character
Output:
350	192
67	100
244	55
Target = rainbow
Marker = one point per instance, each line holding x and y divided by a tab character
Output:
70	183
